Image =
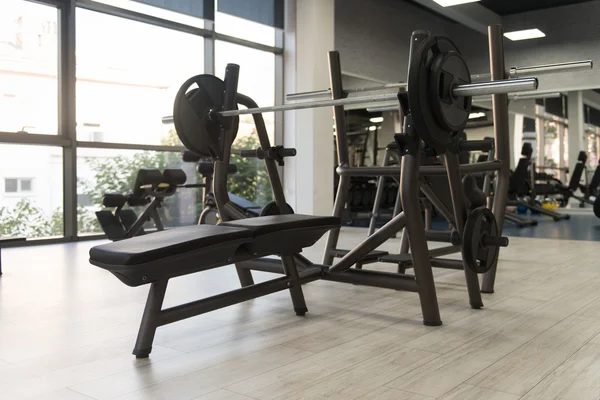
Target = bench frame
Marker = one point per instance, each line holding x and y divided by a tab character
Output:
155	316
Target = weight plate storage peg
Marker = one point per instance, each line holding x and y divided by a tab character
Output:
435	69
481	241
193	116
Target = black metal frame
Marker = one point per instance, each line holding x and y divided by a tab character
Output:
451	168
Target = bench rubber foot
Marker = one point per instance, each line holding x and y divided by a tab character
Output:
436	323
142	353
301	311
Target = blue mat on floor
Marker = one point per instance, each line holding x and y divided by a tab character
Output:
579	227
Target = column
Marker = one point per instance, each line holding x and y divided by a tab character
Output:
540	136
309	36
561	152
576	127
517	140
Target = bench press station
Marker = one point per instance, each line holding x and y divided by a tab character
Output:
206	121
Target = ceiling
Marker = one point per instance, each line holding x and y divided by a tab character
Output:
506	7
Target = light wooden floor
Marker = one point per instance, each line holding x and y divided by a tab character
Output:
67	330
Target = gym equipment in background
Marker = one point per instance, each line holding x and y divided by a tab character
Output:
523	189
150	189
210	214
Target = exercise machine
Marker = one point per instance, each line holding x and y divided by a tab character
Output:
210	213
206	122
523	190
150	189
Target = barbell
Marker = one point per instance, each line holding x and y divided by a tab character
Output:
467	90
514	72
439	99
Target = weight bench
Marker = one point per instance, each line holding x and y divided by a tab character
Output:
156	258
8	240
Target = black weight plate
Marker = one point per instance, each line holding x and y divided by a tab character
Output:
597	207
476	257
191	109
272	209
426	123
448	70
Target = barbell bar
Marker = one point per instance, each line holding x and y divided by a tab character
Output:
472	89
514	72
519	96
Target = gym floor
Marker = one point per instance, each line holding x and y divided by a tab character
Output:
67	330
583	225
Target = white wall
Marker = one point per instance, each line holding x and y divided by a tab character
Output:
373	36
376	44
572	33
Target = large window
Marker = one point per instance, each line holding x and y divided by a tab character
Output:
127	78
31	199
114	171
132	56
28	67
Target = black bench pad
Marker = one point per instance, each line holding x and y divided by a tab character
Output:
284	234
181	251
143	249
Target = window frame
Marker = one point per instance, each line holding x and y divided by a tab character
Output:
66	137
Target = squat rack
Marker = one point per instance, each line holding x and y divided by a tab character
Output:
501	139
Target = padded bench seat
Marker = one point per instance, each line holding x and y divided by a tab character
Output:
284	234
167	254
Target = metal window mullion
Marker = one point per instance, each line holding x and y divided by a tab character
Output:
67	114
33	139
248	43
209	49
140	17
279	95
128	146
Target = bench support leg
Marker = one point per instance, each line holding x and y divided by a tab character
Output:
245	276
0	260
290	270
150	319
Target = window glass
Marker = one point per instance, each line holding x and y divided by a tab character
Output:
257	80
244	29
28	67
31	203
11	185
127	78
159	12
102	171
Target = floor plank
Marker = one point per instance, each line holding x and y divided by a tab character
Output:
577	378
537	335
470	392
525	367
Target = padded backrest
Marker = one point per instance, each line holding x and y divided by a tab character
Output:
174	176
576	176
519	175
527	150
